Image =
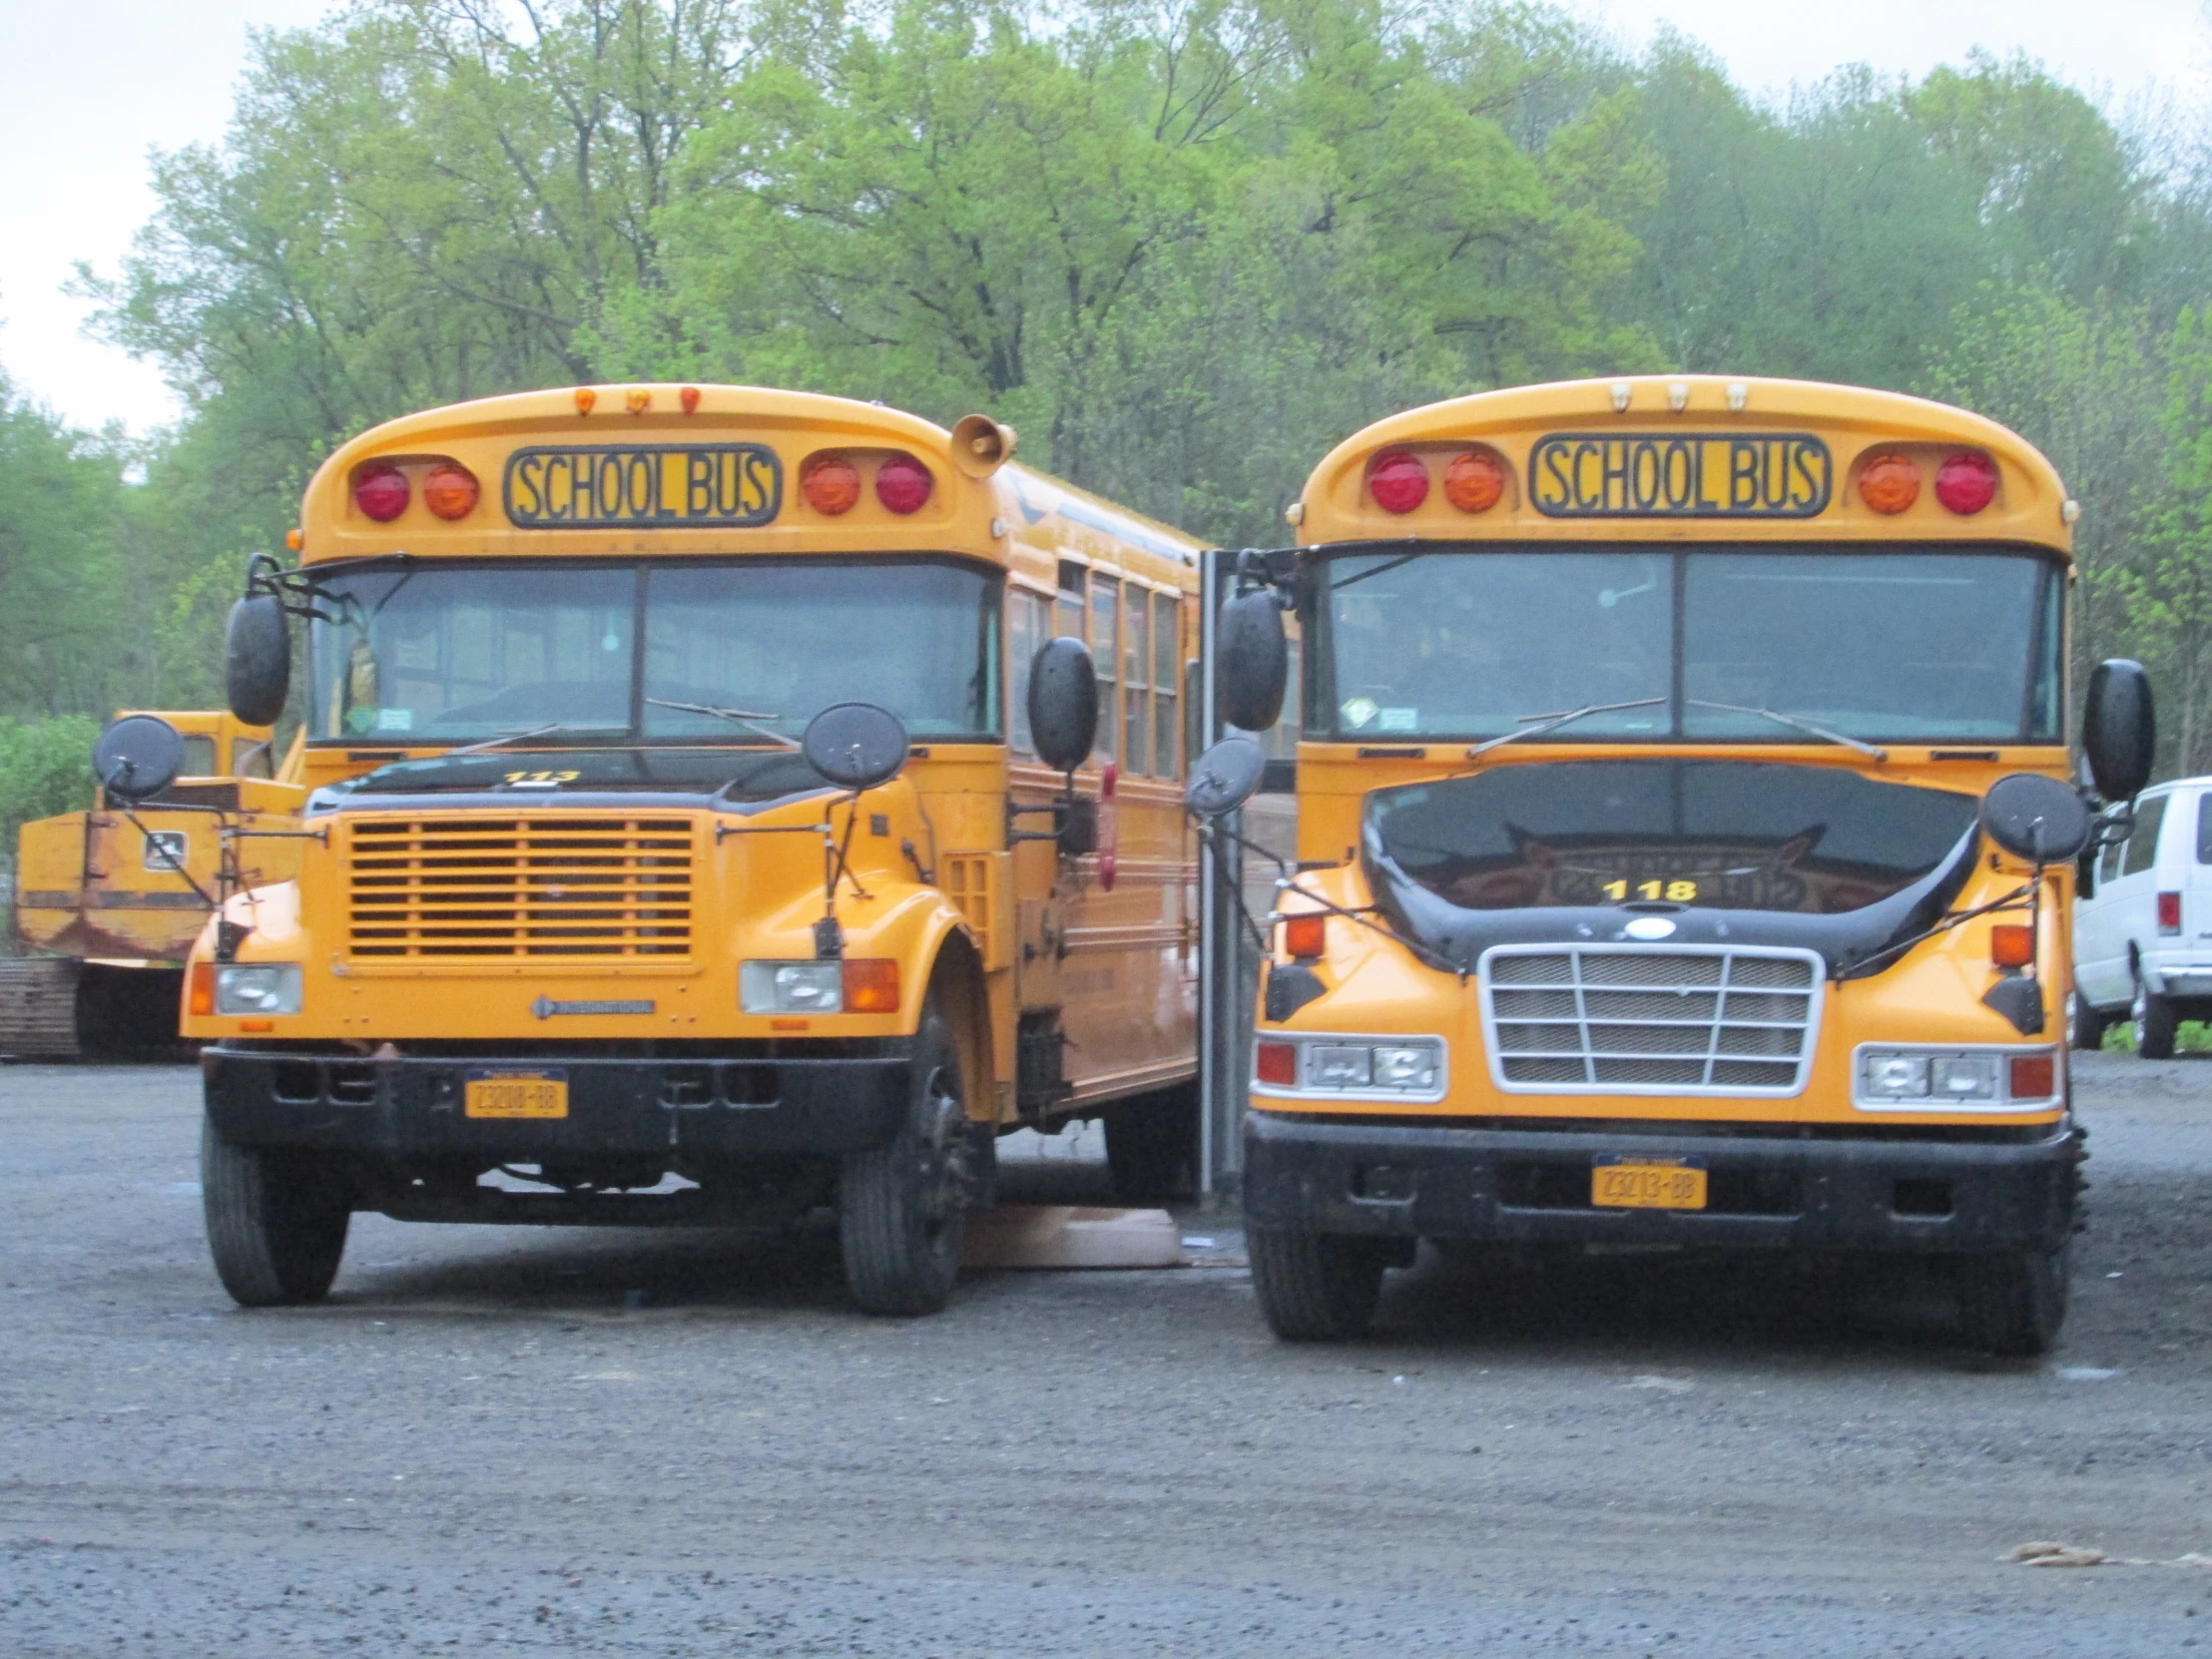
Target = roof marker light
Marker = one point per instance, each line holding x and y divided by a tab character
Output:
689	397
639	400
1474	480
1738	395
381	491
903	484
2069	510
1399	481
1678	395
1620	396
584	398
1889	482
296	538
829	482
1967	482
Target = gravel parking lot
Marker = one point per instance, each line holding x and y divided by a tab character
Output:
598	1442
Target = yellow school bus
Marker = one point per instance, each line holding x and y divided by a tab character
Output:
725	802
109	900
1685	823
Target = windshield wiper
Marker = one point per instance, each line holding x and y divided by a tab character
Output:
736	717
533	732
1553	723
1797	720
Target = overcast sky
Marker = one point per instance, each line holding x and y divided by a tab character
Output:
88	87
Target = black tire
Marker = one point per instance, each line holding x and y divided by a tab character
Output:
2014	1302
2085	1023
2155	1020
1316	1286
1152	1147
902	1209
276	1221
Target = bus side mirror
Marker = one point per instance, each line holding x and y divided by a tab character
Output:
2119	730
257	659
1063	702
855	746
1224	776
1255	660
137	758
2037	819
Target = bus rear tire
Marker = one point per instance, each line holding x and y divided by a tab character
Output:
1152	1145
2155	1020
901	1207
276	1221
2012	1303
1316	1286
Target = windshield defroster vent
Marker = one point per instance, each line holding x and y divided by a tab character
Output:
1633	1020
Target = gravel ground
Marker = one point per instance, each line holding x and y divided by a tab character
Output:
584	1443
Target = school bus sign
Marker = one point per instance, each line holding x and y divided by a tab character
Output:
1680	475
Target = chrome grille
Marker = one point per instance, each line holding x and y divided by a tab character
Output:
520	888
1649	1019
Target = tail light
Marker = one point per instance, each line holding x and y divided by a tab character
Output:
1967	482
2011	944
1399	481
2034	1077
871	987
381	491
1476	480
1275	1063
449	490
831	484
1306	936
903	484
1890	483
2169	912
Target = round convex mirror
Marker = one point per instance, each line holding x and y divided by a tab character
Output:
1223	779
2035	818
856	746
138	756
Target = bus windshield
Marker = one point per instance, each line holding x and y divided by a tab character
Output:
594	653
1900	643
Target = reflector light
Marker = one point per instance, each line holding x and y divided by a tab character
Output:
2011	944
1306	936
2034	1077
381	491
1967	482
871	987
202	999
2169	912
1399	481
1474	480
903	484
449	490
831	484
1890	483
1275	1063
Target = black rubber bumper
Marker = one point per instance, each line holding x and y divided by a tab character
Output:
1533	1187
413	1107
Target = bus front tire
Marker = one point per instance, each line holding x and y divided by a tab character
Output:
2012	1303
1316	1286
276	1221
2155	1020
1152	1145
902	1209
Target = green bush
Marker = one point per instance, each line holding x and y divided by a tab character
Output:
45	767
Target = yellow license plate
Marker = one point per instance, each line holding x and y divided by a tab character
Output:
516	1094
1648	1185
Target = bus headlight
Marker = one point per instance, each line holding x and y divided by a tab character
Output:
790	987
1934	1079
257	989
1396	1068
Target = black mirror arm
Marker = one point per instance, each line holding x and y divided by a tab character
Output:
2023	896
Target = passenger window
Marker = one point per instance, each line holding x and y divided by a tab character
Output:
2143	846
1029	626
1105	615
1136	681
1166	653
2108	860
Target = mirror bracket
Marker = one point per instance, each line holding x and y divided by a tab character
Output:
1074	822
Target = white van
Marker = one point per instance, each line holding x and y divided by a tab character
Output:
2142	934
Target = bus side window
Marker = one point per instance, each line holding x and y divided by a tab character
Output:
249	759
1166	653
1029	626
1105	617
198	758
2143	846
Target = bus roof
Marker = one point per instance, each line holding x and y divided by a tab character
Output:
1688	457
713	470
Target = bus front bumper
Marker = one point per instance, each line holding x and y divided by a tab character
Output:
1533	1187
413	1107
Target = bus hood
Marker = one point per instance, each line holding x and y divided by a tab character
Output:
726	777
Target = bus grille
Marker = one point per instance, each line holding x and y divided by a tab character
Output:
520	888
1636	1019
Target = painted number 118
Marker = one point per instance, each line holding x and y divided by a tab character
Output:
1682	892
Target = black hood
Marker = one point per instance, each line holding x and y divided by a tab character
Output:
726	777
1728	851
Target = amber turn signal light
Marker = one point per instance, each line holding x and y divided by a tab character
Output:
870	986
1474	480
449	490
202	999
1890	483
831	483
2011	944
1306	936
